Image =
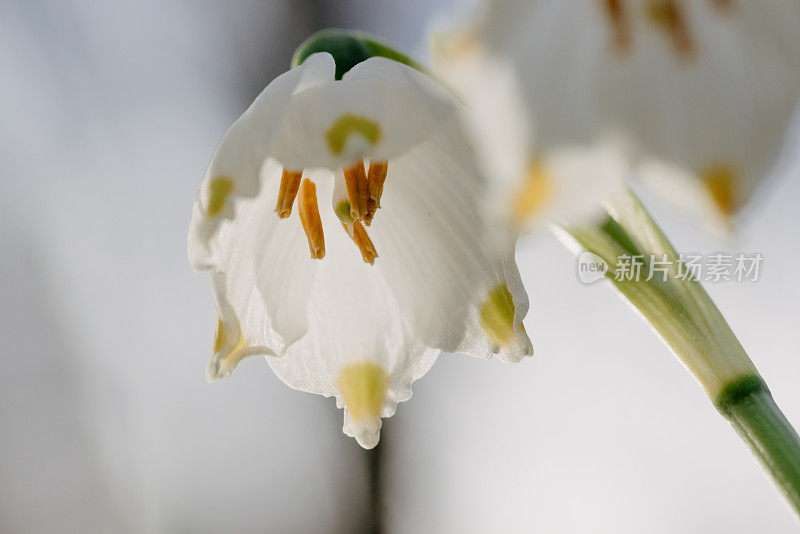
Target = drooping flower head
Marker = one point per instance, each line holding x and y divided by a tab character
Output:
341	223
700	92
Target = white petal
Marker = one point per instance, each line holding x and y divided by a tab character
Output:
720	108
432	239
583	178
731	106
340	327
495	323
353	318
231	345
491	90
267	264
364	115
236	163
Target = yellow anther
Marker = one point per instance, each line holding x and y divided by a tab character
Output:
668	15
720	182
363	242
355	179
534	193
375	180
310	219
497	315
363	387
359	235
620	24
290	184
218	190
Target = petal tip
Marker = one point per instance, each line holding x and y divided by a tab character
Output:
217	369
363	387
367	432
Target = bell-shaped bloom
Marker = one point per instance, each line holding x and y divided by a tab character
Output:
699	92
341	222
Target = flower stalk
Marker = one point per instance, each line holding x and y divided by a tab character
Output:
751	410
675	304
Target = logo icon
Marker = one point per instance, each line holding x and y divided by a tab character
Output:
591	268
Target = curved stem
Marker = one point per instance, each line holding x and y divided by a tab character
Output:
683	314
752	411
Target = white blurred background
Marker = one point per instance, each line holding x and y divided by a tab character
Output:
109	112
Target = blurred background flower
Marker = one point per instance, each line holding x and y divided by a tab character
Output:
110	113
699	92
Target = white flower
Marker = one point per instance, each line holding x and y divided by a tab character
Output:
700	92
395	285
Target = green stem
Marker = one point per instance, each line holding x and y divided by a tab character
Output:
376	475
750	408
689	322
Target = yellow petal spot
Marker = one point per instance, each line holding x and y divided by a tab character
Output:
457	44
226	358
363	387
497	315
720	182
219	338
533	195
218	191
349	124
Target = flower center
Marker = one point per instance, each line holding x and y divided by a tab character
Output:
364	191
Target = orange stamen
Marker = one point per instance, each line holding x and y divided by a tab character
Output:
359	236
290	183
375	180
619	24
669	15
310	219
355	178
